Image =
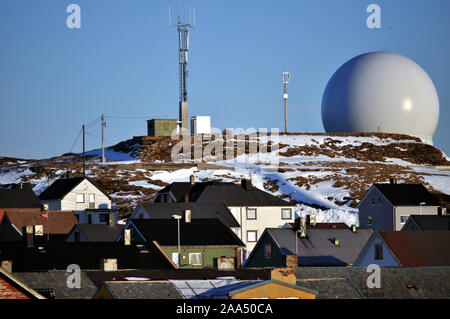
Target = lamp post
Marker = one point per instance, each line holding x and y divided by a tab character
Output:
178	217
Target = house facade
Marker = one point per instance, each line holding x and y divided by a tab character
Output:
254	209
388	206
90	203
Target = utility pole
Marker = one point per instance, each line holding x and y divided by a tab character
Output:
84	152
103	138
286	80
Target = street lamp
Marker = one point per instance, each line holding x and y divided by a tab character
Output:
178	217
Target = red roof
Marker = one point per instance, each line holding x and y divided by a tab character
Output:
59	222
419	248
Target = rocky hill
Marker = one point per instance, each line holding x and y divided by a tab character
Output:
326	174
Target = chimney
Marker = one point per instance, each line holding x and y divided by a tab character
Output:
186	198
393	181
7	265
28	235
108	264
111	220
127	237
68	173
353	228
312	220
246	184
187	215
285	274
192	179
302	227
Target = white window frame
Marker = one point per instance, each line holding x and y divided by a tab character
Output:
256	213
77	198
290	213
191	255
256	236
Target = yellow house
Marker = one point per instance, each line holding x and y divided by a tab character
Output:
273	289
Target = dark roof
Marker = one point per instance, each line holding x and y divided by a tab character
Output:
333	288
99	276
431	282
198	211
430	222
61	187
199	232
142	290
58	255
419	248
318	248
58	222
56	280
228	193
100	232
407	194
9	234
19	197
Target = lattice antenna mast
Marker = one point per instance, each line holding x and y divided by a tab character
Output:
183	49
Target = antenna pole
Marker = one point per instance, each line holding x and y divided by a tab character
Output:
103	138
286	80
84	152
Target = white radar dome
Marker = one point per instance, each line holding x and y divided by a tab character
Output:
381	92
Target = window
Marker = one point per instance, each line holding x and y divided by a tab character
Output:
369	220
252	236
379	200
403	219
91	198
104	218
175	258
286	213
378	252
251	213
373	200
195	259
267	251
77	237
80	198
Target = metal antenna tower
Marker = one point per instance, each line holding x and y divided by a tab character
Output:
286	80
183	48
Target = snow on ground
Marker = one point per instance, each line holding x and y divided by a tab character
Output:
347	216
111	155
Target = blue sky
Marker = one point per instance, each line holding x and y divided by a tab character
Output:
123	62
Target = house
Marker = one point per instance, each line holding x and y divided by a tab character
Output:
254	209
388	206
19	198
278	247
395	282
204	243
427	222
406	249
137	289
54	224
82	195
95	233
12	288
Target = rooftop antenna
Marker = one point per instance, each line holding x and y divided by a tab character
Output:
286	80
183	48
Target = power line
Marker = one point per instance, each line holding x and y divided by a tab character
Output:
76	140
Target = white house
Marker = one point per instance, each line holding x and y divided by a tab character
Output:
388	206
254	209
89	202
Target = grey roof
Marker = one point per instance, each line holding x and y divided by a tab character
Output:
198	211
332	288
100	232
396	282
318	247
57	281
19	197
142	290
407	194
430	222
229	193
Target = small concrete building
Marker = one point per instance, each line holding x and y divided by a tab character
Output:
161	127
200	125
388	206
